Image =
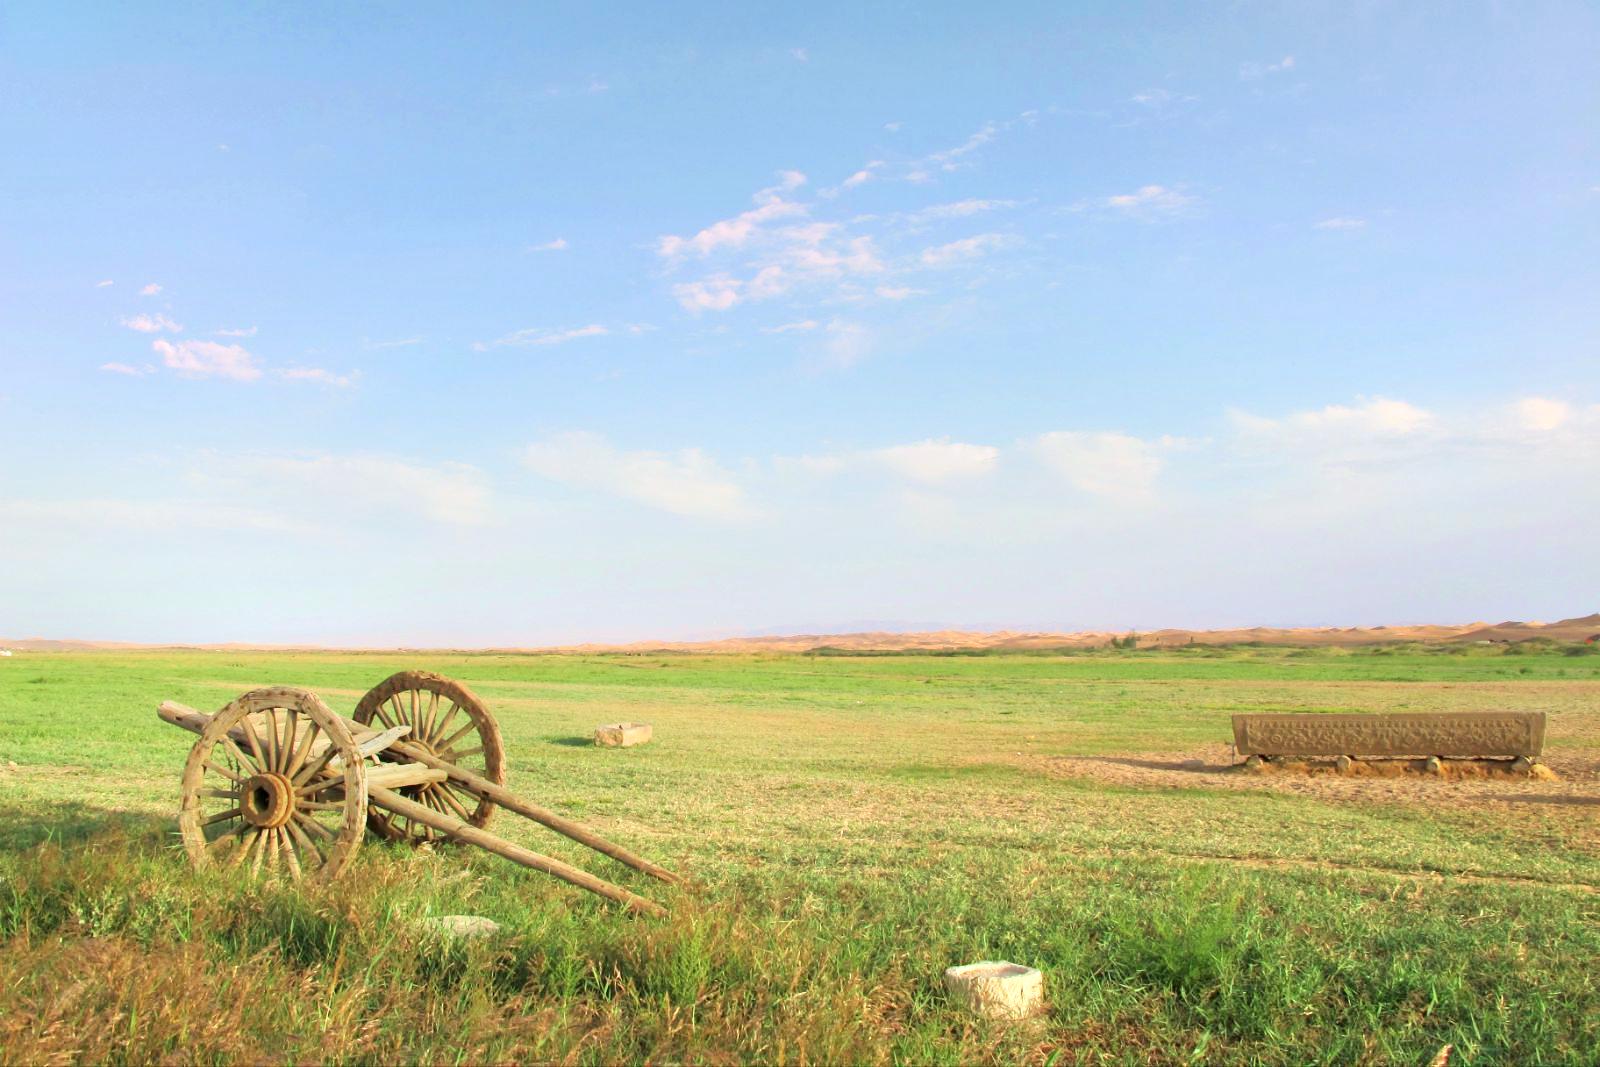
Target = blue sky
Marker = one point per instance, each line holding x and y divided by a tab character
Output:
522	325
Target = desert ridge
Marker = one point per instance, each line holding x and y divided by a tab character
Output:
1583	628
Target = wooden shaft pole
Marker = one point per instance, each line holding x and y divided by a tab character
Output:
481	786
454	827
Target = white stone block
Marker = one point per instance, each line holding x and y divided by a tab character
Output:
997	989
622	734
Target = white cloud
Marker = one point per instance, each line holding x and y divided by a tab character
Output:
735	232
104	284
208	359
533	336
800	54
559	244
936	462
716	293
896	292
247	331
1542	415
152	324
321	376
402	342
894	127
1342	222
150	290
1252	71
595	85
121	516
1111	465
964	249
123	368
1151	201
1369	418
687	482
791	327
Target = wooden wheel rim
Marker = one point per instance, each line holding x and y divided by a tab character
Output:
434	706
271	800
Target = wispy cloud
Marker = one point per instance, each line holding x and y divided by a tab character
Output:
736	231
150	290
800	54
536	336
966	248
559	244
687	482
320	376
152	324
791	327
104	284
1253	71
123	368
208	359
1151	202
897	292
246	331
1341	222
399	342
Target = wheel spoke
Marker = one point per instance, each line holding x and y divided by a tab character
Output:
449	797
225	772
288	854
304	751
378	709
231	813
291	732
444	724
272	739
430	716
310	847
452	756
238	754
311	770
247	724
261	853
458	735
245	852
318	805
225	794
311	824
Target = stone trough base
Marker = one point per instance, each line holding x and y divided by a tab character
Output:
1433	767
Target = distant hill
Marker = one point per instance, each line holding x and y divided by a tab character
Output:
1578	629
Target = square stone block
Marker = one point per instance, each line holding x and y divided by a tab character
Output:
997	989
622	734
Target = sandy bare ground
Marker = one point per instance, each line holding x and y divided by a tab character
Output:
1576	785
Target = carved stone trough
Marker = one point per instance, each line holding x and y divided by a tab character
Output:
1449	735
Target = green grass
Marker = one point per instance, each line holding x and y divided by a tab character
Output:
853	825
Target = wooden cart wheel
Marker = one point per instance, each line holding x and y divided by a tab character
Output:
275	780
448	721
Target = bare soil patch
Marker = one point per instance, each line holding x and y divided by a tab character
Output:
1213	766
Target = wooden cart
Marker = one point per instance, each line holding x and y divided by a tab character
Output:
281	783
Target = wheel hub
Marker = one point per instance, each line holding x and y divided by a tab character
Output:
267	800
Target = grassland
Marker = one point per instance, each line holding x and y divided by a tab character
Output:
852	825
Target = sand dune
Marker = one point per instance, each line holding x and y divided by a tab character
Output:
1577	629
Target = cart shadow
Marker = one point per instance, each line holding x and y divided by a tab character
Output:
71	822
1194	766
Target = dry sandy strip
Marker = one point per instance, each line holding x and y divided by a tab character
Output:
1577	781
